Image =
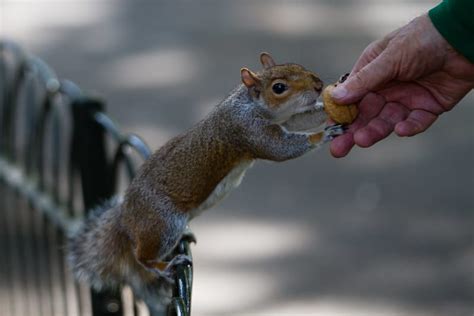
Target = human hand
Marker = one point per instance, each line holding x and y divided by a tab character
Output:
402	83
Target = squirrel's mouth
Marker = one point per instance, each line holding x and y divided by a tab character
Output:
312	104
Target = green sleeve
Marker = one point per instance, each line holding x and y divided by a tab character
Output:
454	20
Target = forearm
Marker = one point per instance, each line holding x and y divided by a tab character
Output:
454	20
273	143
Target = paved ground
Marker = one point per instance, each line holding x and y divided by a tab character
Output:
385	231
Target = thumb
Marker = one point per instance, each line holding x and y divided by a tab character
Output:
358	84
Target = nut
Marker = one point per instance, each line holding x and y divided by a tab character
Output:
339	113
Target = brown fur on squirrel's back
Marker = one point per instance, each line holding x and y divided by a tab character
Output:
189	167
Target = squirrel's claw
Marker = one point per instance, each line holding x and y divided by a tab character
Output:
189	236
336	127
167	273
332	131
178	260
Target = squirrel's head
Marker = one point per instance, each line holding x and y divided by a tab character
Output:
283	90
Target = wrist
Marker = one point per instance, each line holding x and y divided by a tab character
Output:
432	38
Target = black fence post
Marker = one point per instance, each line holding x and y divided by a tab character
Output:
31	176
88	156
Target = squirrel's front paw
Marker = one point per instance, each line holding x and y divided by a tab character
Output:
332	131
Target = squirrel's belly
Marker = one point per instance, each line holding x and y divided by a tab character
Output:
230	181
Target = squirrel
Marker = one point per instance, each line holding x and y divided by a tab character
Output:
266	117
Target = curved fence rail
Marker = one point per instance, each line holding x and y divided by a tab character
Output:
60	155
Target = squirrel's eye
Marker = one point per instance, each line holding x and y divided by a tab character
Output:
279	88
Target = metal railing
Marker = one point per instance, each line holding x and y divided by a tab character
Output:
60	155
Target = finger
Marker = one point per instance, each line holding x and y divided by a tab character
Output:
382	125
370	53
342	145
372	75
418	121
370	106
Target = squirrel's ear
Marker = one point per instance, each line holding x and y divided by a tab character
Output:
249	79
267	60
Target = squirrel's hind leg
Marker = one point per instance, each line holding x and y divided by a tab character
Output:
153	242
163	266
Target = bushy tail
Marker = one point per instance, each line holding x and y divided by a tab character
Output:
100	253
97	249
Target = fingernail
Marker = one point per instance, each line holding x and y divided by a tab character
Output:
339	92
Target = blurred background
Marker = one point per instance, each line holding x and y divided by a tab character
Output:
385	231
